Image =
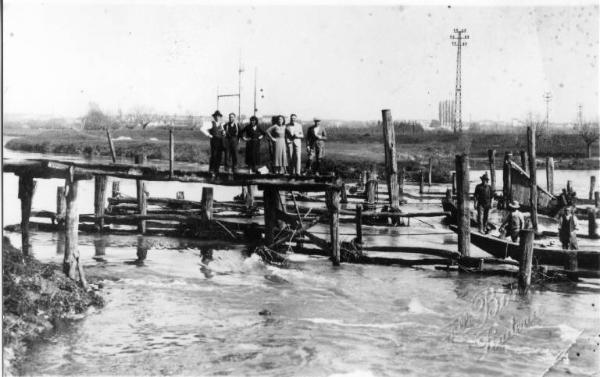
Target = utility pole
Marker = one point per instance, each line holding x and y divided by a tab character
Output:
458	40
240	70
255	109
547	97
580	115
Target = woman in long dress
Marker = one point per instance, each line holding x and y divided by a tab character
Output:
276	134
252	135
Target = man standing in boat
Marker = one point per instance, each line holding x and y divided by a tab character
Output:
567	225
514	222
483	202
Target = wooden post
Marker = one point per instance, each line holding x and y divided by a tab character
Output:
359	236
344	195
430	167
333	205
271	203
525	264
533	192
26	191
99	199
391	163
569	187
402	179
61	204
597	199
250	196
506	179
492	164
592	186
571	260
453	183
550	175
363	179
116	189
207	203
422	182
171	152
112	147
462	203
371	185
180	195
142	198
524	161
592	226
72	267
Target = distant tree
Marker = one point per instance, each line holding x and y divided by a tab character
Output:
142	116
589	133
95	119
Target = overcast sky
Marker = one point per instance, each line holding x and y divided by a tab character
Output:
344	62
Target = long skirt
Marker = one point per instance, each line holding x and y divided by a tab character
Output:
280	153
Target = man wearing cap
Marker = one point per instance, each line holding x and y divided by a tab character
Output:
315	146
215	133
293	138
483	202
514	222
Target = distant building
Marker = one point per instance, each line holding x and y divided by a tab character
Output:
446	113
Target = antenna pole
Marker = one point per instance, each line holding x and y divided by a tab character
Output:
458	38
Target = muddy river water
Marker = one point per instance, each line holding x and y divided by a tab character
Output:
178	314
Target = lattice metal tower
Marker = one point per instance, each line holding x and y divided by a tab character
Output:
458	40
547	97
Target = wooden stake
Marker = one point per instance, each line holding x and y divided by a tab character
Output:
430	167
506	179
525	264
391	162
333	205
571	260
402	179
271	203
116	189
207	203
171	152
592	226
142	198
597	199
371	186
359	236
453	183
422	182
251	190
524	161
592	186
363	179
462	201
99	200
570	187
492	164
550	174
71	264
344	194
112	147
26	191
61	204
533	192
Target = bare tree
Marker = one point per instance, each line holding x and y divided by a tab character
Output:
142	116
589	133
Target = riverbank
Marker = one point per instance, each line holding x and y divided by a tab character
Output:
36	297
348	151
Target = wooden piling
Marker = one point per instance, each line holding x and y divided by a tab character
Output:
171	152
592	226
142	198
550	175
524	161
592	186
533	192
344	194
569	187
402	179
180	195
359	235
271	203
391	163
462	201
453	183
597	199
371	187
71	264
207	203
333	205
111	146
251	192
429	169
571	260
26	191
99	200
363	179
116	189
422	182
525	264
61	204
492	164
506	179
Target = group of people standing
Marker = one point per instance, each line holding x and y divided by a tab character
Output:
285	144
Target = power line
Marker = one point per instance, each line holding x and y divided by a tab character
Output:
458	40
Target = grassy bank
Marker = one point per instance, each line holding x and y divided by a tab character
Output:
35	297
348	150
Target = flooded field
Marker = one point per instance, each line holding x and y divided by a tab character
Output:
179	314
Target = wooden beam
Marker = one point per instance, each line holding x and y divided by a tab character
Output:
61	205
333	205
171	153
462	201
525	264
141	194
550	175
359	235
391	161
71	264
506	179
111	146
492	165
533	191
99	200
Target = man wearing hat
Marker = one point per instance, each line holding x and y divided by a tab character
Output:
514	222
215	133
483	202
315	146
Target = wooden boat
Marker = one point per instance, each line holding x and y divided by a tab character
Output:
547	204
503	248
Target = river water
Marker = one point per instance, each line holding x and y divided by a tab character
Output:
178	314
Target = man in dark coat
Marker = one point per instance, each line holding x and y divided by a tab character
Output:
215	132
230	143
315	146
483	202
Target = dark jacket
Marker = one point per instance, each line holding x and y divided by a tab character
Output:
311	136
